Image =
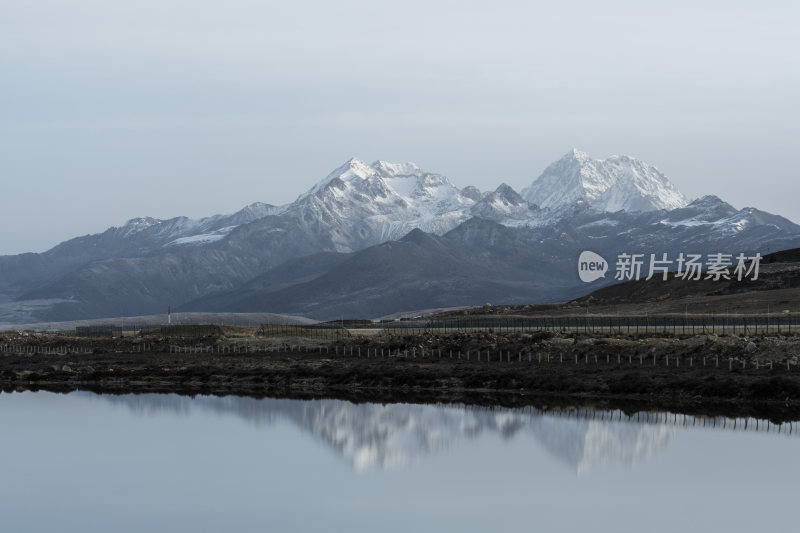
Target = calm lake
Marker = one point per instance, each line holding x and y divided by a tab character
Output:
86	462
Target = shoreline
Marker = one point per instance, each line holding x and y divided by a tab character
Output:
776	412
582	370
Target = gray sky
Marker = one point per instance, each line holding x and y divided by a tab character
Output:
111	110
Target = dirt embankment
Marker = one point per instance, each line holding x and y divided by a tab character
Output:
685	373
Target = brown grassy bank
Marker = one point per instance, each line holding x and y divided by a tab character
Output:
689	374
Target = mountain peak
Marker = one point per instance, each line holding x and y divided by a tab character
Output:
618	183
707	209
356	170
138	224
471	192
708	200
352	168
577	154
354	162
507	192
418	237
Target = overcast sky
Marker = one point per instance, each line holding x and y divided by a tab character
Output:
111	110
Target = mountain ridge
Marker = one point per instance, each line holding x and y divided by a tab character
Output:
148	263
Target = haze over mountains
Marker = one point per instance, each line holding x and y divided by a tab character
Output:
374	239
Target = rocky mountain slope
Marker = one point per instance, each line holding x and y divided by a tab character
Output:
478	261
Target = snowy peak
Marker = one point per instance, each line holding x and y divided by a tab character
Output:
471	192
386	200
508	195
609	185
403	179
352	169
577	155
135	225
503	205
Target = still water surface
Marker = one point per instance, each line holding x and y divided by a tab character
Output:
86	462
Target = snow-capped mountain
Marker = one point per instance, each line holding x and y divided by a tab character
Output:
607	205
384	200
505	206
183	230
608	185
713	216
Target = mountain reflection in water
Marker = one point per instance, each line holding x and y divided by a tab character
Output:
376	436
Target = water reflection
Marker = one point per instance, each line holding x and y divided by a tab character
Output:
375	436
82	462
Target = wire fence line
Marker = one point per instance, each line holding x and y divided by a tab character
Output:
179	330
327	331
339	330
667	324
663	418
527	355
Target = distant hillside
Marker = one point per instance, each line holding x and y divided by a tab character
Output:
776	273
479	261
786	256
777	290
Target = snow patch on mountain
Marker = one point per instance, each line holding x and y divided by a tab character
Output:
203	238
600	223
183	230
